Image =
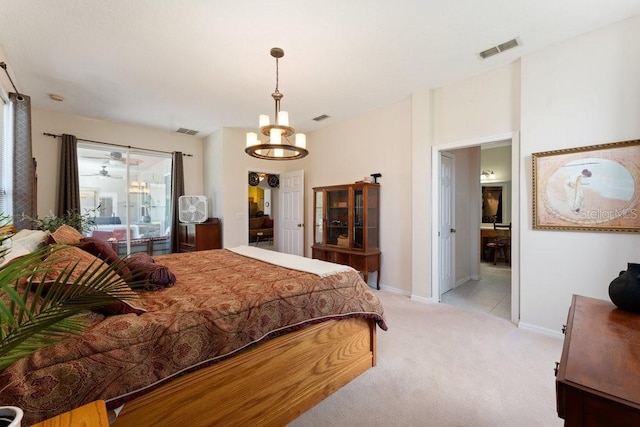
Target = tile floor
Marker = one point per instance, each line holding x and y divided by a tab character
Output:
491	294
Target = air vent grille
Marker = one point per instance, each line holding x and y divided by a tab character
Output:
321	117
187	131
508	45
499	49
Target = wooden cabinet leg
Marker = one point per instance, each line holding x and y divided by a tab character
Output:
365	275
378	279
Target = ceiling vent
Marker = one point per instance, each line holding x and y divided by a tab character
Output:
499	49
321	118
187	131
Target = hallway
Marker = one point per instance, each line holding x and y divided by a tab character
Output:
491	294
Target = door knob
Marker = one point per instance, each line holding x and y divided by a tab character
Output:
453	230
299	225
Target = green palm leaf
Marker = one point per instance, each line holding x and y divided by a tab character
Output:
40	312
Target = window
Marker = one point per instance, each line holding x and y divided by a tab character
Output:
129	193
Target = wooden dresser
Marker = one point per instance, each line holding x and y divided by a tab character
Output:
598	377
199	236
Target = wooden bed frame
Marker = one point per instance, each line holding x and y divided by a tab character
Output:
269	384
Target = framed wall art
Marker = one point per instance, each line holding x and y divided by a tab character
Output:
594	188
496	202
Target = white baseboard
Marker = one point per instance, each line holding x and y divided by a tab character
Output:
394	290
424	299
405	293
462	281
544	331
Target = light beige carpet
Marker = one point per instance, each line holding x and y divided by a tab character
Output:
439	365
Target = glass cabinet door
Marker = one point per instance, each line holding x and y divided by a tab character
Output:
319	219
358	218
372	217
337	224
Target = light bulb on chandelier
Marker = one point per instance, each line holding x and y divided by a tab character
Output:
278	147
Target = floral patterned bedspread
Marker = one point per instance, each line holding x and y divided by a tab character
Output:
222	302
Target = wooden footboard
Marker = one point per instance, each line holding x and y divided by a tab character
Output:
270	384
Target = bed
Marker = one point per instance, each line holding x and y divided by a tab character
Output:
238	340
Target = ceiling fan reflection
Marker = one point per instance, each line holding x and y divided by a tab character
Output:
104	173
115	158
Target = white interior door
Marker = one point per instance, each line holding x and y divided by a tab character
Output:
292	213
446	230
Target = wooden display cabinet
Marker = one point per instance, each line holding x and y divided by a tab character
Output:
199	236
346	226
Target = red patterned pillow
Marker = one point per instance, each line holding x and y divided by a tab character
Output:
144	269
105	252
66	235
268	223
61	260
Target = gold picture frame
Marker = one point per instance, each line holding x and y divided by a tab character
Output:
593	188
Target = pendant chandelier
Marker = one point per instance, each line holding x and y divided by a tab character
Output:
278	147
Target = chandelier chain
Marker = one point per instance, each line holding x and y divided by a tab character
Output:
277	75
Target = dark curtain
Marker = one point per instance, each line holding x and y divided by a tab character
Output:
68	179
24	170
177	190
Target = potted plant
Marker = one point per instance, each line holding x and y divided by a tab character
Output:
83	222
36	313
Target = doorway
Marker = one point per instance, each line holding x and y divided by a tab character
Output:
473	251
261	225
283	229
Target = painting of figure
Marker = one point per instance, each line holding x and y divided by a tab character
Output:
588	188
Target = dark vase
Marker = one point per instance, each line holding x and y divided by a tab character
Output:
624	290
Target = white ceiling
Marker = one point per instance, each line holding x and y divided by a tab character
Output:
203	64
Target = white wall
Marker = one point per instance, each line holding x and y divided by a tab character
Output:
582	92
421	140
46	149
497	160
379	141
469	110
228	184
346	152
483	105
213	175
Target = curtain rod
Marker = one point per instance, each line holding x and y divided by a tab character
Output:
4	67
115	145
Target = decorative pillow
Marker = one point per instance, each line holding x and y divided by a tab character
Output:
66	235
141	257
144	269
60	261
30	239
268	223
105	252
16	251
22	243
